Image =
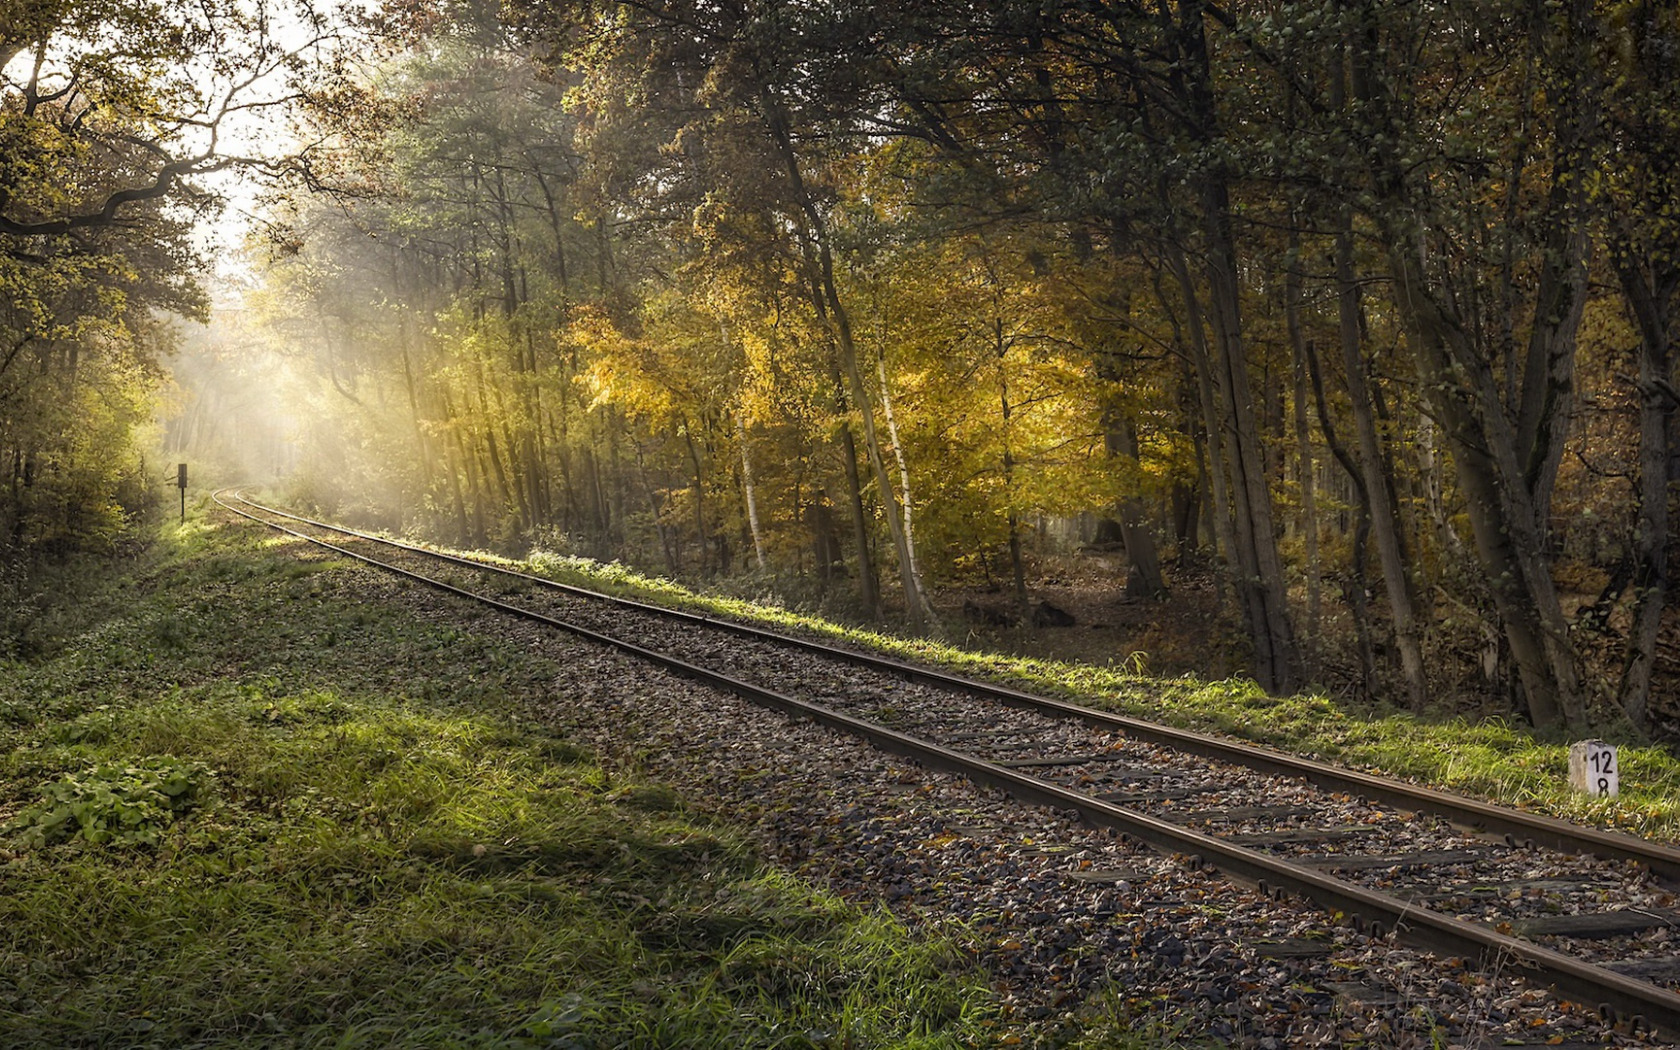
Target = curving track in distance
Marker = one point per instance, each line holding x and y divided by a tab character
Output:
945	728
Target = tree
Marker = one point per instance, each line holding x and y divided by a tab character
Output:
676	279
1640	194
1507	437
102	123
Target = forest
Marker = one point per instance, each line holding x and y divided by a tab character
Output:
1361	314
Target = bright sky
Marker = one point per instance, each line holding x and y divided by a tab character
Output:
255	133
244	132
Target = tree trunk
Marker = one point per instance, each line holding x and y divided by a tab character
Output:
1260	581
1434	498
469	464
1355	589
1391	554
515	482
701	539
831	311
1304	466
1277	663
869	588
907	503
1645	250
673	564
750	492
1120	439
1507	525
1012	521
1209	401
1653	302
1504	467
1145	580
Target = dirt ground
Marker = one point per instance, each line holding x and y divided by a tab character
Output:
1185	633
1192	632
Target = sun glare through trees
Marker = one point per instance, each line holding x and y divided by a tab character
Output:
1340	334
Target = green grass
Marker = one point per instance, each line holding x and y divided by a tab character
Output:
1495	759
244	806
249	806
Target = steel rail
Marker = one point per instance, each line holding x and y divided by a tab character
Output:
1633	1001
1551	832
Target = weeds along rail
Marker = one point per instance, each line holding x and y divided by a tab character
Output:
1499	820
1348	842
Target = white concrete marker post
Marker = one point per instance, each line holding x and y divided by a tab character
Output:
1594	768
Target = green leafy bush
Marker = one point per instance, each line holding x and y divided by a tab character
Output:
113	804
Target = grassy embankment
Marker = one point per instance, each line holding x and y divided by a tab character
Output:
323	822
246	808
1494	759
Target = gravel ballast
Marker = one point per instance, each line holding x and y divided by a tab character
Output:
1064	919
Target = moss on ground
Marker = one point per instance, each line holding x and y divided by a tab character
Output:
244	806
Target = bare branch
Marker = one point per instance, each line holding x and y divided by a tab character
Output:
107	212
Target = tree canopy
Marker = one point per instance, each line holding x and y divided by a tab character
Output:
1368	307
109	114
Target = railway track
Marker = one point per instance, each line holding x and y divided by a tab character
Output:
1585	911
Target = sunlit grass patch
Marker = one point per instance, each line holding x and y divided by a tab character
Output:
368	845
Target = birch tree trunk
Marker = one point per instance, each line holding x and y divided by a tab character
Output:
903	475
831	311
751	492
